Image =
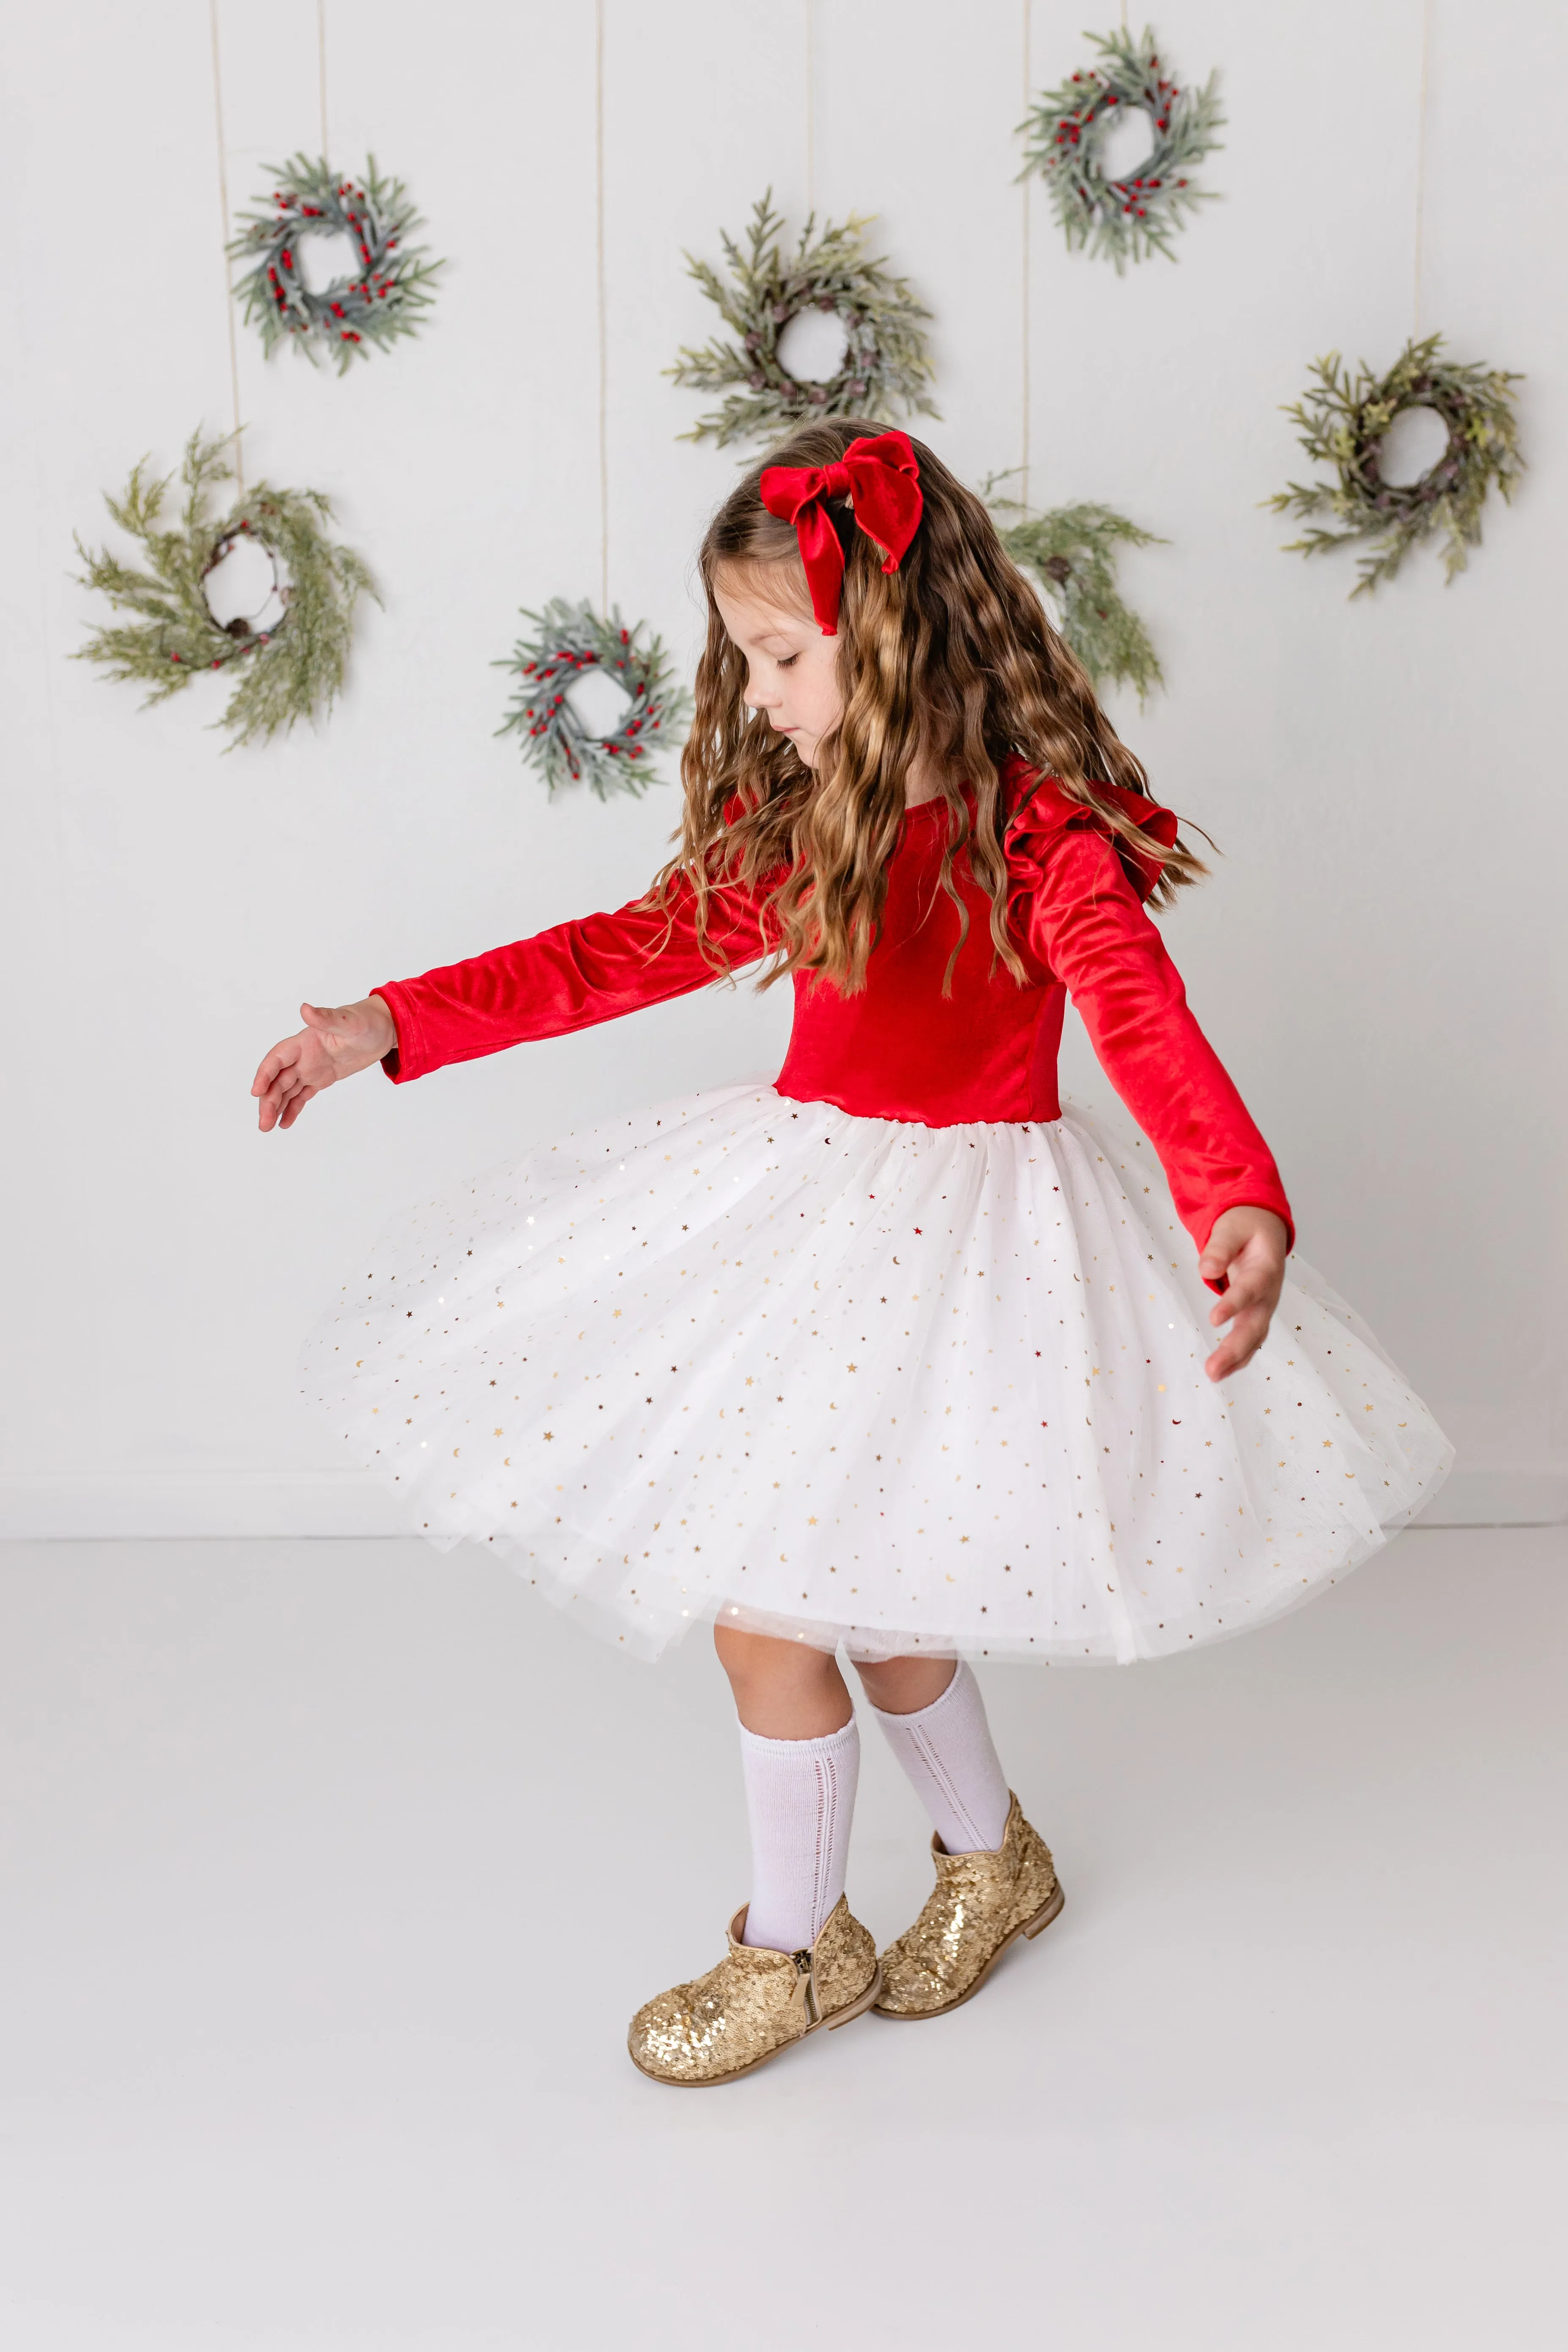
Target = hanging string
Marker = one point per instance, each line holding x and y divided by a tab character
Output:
1420	169
810	107
1024	305
599	268
228	270
321	68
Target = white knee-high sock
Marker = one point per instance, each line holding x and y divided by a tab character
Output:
800	1802
946	1750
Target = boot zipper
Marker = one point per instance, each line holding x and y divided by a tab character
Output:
805	1986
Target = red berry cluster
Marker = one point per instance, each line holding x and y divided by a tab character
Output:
1072	126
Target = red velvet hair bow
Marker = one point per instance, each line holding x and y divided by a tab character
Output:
880	474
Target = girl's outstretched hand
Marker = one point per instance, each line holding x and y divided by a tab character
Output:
335	1042
1246	1253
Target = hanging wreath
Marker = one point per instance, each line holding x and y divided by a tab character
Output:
1343	419
1130	219
355	314
1071	552
885	358
572	640
292	665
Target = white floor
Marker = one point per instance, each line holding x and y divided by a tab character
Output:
329	1874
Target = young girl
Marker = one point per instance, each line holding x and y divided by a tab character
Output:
891	1356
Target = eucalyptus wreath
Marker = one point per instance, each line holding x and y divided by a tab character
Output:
292	670
569	641
885	360
1130	219
1071	552
1342	420
354	315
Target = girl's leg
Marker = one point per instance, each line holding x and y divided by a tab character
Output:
800	1752
995	1880
934	1719
807	1962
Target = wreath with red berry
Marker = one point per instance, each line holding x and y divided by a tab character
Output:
571	641
1126	219
291	653
362	310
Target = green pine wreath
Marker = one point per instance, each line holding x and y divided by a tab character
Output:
1343	419
887	363
1132	219
1071	552
571	639
352	316
294	670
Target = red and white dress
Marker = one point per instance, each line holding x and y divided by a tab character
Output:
894	1351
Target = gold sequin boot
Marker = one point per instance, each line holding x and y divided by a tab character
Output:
979	1905
755	2004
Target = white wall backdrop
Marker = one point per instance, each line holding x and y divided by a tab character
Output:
1379	956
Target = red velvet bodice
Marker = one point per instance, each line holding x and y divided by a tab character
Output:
901	1049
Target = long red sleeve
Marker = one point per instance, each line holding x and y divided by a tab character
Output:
1084	921
580	972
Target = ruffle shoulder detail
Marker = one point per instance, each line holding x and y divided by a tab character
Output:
1043	810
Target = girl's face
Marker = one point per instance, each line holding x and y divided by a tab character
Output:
791	667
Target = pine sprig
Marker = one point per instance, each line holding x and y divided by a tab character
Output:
354	315
1134	217
1071	552
568	641
294	670
1343	419
887	363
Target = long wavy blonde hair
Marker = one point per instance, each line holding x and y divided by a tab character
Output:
950	657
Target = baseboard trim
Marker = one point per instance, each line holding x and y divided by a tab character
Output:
1499	1498
169	1505
194	1502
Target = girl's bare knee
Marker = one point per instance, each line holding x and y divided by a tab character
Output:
904	1685
743	1654
762	1658
784	1690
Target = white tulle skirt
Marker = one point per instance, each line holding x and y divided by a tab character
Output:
853	1379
